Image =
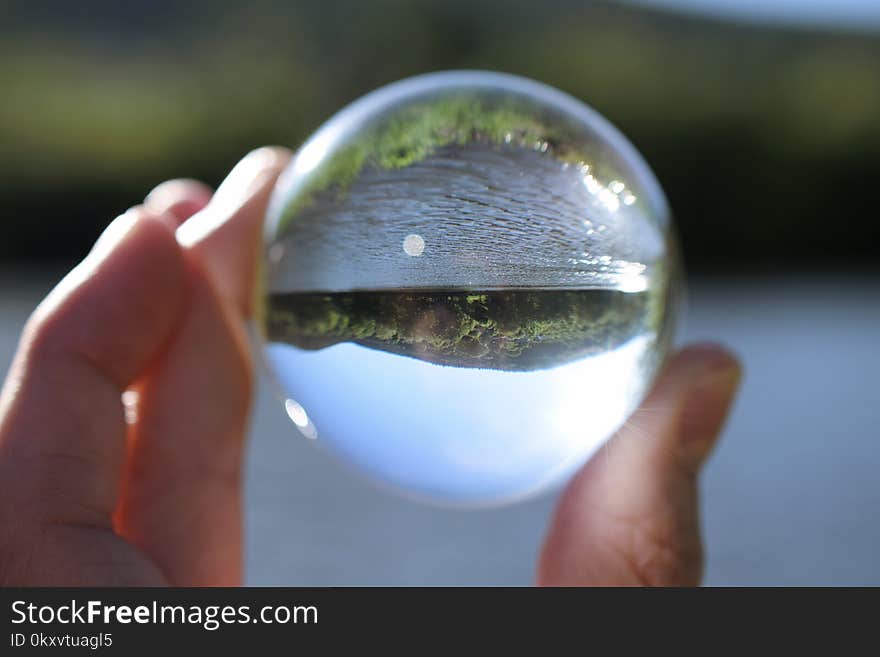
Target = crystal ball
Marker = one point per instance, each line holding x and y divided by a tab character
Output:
468	286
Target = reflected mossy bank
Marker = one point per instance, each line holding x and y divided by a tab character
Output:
515	330
415	131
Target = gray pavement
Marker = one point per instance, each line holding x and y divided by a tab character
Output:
790	497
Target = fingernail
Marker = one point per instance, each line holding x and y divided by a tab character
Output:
177	200
708	403
249	176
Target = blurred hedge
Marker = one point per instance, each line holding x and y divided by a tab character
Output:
767	140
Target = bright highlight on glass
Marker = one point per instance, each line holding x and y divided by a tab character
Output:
469	284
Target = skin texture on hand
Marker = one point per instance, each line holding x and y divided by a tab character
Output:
123	416
631	516
89	497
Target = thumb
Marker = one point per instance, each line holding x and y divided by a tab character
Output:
630	517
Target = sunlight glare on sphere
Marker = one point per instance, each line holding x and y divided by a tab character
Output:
413	245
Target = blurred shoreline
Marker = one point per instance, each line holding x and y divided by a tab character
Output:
765	138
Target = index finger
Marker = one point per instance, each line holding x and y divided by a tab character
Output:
227	234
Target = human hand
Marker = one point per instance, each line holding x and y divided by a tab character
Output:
631	515
97	492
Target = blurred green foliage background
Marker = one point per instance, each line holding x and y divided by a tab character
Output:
767	140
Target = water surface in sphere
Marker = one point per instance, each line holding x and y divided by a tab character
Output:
467	285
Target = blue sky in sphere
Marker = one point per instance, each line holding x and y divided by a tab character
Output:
861	14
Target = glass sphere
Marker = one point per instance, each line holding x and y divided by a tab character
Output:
468	283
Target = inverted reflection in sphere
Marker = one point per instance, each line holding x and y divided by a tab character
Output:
467	287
